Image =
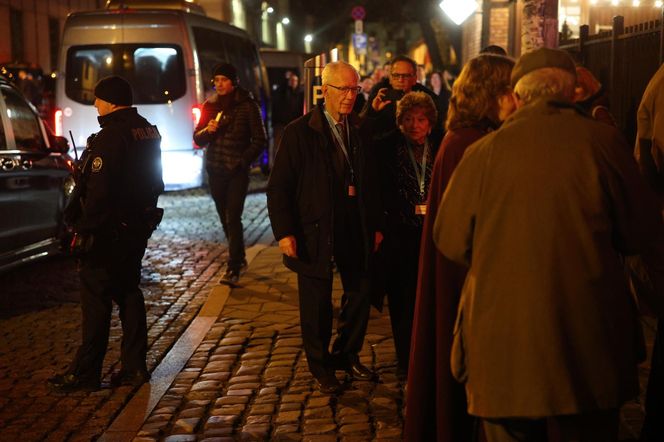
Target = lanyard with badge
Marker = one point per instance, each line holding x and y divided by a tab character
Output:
340	139
420	174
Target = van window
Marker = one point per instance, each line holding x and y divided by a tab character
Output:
156	73
214	47
24	122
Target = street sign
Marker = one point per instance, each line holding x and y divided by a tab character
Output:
358	13
360	43
359	26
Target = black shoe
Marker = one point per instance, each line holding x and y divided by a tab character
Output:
328	384
230	277
134	378
69	383
358	372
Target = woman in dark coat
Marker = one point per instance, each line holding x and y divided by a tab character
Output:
406	156
436	402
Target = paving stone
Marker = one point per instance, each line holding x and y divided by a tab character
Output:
181	438
259	419
231	400
318	426
228	410
353	418
255	432
218	432
243	379
239	392
191	412
220	421
360	427
253	386
187	425
288	417
249	370
318	413
261	409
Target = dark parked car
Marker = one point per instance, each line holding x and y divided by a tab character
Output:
35	181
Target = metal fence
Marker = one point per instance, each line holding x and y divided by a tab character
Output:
623	60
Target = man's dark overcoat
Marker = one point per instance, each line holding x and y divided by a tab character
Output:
300	193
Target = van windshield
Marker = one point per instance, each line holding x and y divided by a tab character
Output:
156	72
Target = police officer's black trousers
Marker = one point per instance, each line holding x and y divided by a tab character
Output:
229	190
111	272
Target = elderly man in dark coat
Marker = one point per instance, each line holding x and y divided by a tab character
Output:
540	210
323	205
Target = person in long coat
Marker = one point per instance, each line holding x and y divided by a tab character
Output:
546	335
436	402
406	158
324	205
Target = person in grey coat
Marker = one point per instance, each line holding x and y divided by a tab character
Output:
547	333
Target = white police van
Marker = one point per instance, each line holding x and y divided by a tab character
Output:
167	53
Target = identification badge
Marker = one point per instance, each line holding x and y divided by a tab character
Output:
421	209
351	190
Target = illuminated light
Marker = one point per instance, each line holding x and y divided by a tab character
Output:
270	9
196	114
9	113
57	122
165	92
109	60
658	3
54	74
181	170
593	2
458	10
285	20
615	2
636	3
308	38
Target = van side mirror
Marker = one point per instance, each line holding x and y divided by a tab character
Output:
59	144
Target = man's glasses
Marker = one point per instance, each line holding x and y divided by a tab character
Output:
346	89
401	76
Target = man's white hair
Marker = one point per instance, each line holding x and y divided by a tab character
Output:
546	82
332	69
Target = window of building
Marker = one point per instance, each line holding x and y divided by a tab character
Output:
16	32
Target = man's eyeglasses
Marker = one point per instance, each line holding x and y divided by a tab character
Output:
401	76
346	89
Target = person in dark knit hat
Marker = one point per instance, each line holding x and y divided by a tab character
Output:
546	339
232	129
113	211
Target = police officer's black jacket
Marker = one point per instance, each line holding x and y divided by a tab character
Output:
240	137
122	175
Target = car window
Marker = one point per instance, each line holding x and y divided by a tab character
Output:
24	122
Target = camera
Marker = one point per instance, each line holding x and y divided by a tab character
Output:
393	95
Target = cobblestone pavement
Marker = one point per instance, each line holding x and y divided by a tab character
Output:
247	380
182	257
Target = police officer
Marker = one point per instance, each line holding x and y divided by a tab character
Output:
113	215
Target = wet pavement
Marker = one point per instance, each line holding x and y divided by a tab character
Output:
237	368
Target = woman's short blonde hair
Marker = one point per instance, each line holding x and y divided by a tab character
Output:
413	100
476	91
